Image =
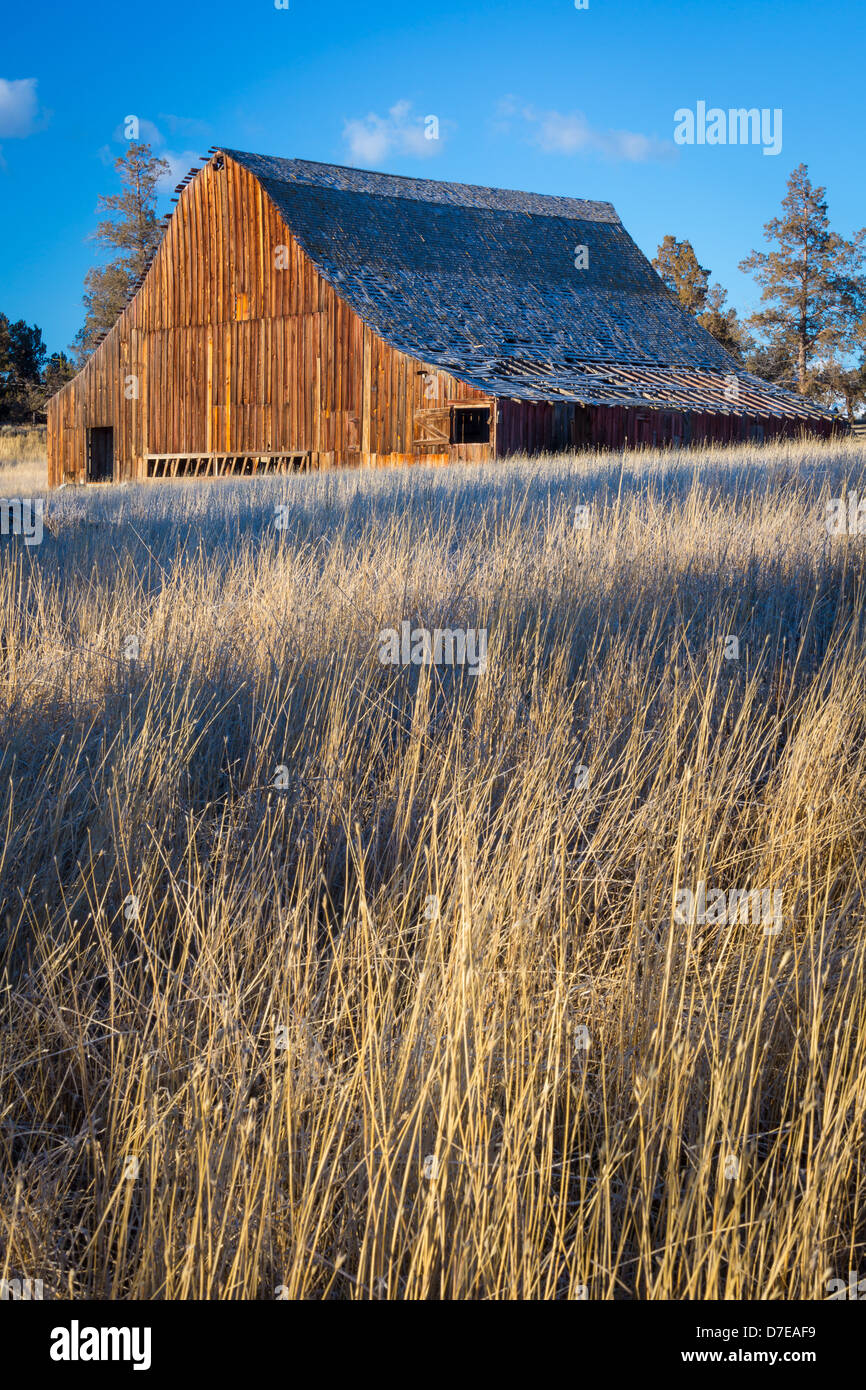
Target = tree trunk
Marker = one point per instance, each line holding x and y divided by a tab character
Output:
801	362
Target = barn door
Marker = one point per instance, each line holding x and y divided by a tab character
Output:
644	428
100	454
432	431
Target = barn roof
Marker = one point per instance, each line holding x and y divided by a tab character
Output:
482	282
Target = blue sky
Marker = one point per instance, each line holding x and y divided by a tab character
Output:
531	94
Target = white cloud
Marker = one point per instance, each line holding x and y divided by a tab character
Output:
18	107
570	133
179	162
178	166
560	134
375	138
143	133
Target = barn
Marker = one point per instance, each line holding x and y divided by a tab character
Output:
300	315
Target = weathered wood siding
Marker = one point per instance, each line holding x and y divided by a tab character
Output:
234	346
539	427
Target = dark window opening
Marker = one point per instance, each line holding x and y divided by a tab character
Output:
100	454
470	425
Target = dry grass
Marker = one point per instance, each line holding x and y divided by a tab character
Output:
23	460
248	991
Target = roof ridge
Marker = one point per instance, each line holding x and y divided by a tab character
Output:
474	194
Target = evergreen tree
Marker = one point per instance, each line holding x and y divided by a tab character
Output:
724	323
22	355
132	231
772	362
836	382
27	379
57	371
678	267
811	282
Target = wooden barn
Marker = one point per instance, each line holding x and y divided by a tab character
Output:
301	315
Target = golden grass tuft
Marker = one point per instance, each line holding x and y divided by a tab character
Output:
420	1022
23	460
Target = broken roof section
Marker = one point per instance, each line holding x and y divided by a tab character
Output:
482	282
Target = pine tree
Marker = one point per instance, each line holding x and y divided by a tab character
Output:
836	382
678	267
27	379
132	230
57	371
22	355
810	282
772	362
724	323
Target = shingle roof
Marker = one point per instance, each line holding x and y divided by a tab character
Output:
482	282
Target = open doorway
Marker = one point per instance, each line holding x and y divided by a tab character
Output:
100	454
470	425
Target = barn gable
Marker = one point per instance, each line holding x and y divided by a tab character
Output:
235	356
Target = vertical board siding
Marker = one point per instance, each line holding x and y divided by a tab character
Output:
540	427
234	355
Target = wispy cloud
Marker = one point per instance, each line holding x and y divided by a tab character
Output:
179	161
570	133
188	128
147	134
19	110
178	165
19	107
373	139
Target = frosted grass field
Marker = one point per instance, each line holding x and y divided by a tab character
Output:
328	979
